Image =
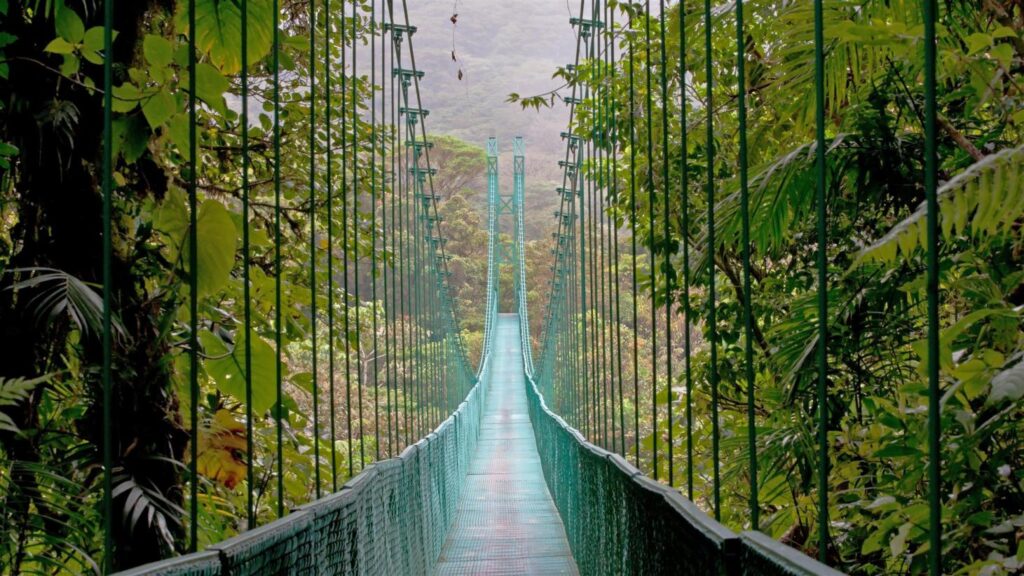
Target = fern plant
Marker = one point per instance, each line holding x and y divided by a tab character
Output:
14	391
984	201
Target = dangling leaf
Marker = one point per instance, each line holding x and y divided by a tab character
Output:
228	369
219	31
13	391
216	247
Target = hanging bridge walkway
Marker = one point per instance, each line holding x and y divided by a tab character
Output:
506	521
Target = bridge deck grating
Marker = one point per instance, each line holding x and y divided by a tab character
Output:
506	521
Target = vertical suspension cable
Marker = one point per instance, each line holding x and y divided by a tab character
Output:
354	160
651	244
712	315
108	284
748	314
615	242
632	221
246	281
313	316
584	309
931	167
398	217
328	109
387	190
408	383
346	298
278	368
417	303
373	223
685	189
604	235
593	185
822	263
193	287
596	271
667	240
591	188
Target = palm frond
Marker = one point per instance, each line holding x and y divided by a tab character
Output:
57	295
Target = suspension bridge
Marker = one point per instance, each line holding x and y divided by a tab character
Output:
503	485
420	458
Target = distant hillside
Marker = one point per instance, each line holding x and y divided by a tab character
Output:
502	47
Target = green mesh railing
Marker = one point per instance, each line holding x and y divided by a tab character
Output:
619	521
392	518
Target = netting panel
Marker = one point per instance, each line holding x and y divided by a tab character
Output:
283	547
617	520
392	518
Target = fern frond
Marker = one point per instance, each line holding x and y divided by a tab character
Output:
13	391
984	200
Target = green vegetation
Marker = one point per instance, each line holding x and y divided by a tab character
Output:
50	277
877	385
51	269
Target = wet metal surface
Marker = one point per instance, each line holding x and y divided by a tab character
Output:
506	521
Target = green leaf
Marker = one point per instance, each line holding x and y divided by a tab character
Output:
1003	53
873	543
159	108
158	51
898	544
14	391
131	137
219	31
895	450
70	65
977	42
216	247
93	56
126	97
94	38
171	218
211	86
228	369
178	130
991	189
70	26
1008	384
303	380
59	46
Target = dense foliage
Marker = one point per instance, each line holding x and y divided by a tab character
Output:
877	388
50	273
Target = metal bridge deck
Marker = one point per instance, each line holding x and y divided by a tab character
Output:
506	521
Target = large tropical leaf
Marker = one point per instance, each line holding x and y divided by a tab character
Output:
227	367
219	30
216	244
